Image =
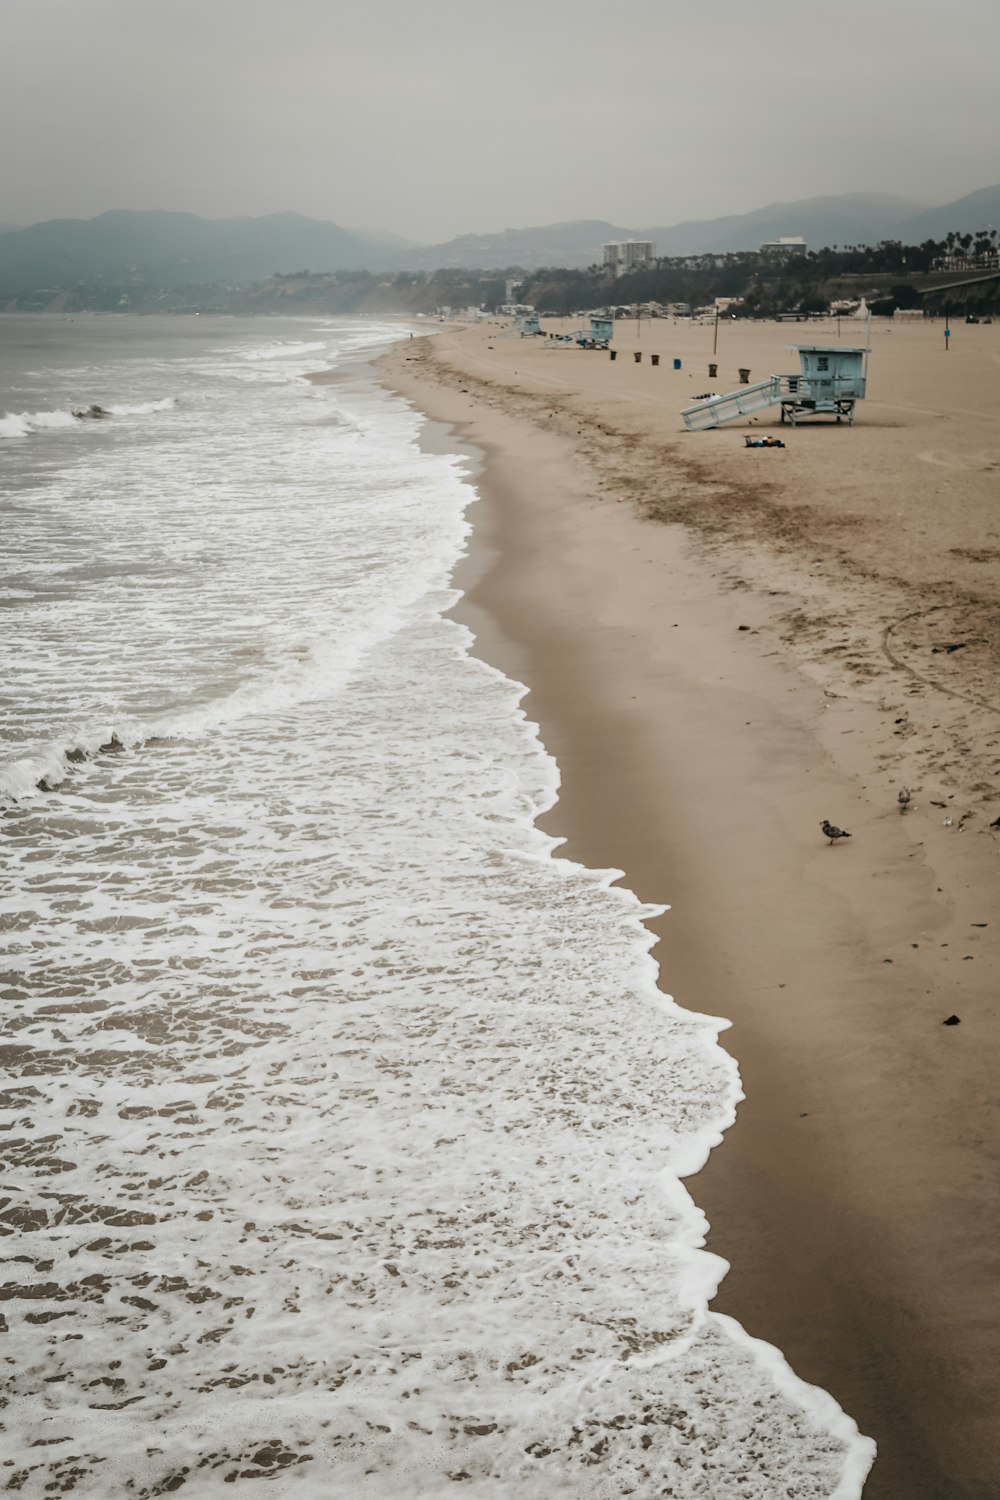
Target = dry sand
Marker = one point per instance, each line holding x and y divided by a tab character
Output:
723	647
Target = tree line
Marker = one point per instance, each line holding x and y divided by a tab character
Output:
766	283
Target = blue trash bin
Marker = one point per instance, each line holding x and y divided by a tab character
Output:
677	364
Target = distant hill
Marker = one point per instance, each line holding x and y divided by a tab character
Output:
8	228
175	249
386	237
853	218
850	219
979	210
575	243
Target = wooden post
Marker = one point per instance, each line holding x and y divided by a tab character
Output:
715	341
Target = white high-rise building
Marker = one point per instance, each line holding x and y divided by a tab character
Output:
628	255
785	245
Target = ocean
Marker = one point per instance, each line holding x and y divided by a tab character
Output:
344	1121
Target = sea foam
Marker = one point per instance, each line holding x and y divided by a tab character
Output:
23	424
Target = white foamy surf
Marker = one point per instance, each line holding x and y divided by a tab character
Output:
346	1119
24	423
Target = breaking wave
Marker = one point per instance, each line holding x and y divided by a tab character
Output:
141	408
24	424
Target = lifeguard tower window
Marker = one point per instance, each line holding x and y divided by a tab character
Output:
823	362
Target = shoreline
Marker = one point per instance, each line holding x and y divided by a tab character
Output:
696	755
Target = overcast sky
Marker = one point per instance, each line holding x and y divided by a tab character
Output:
452	116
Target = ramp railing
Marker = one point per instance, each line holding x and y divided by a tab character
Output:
744	402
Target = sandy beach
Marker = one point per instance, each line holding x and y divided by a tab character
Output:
724	646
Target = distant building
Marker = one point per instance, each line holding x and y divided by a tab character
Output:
621	256
787	245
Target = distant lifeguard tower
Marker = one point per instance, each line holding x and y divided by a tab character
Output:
597	336
830	381
602	331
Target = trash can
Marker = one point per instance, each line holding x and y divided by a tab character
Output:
613	353
654	359
638	356
744	377
713	372
677	364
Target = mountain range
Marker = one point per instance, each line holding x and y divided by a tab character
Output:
848	219
178	249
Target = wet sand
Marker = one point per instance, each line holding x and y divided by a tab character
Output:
724	646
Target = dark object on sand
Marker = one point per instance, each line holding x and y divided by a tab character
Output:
832	832
952	1021
93	413
765	442
994	824
903	798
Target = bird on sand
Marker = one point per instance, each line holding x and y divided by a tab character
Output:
832	832
903	798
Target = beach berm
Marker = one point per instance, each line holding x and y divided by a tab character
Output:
722	646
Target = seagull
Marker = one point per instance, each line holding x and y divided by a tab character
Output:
832	832
904	798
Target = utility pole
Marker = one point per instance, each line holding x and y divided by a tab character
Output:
715	341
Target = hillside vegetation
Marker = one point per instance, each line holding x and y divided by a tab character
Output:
960	272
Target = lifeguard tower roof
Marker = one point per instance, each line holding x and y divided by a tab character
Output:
827	348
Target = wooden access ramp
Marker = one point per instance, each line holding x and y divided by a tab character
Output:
742	403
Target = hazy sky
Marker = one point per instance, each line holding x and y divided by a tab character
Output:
450	116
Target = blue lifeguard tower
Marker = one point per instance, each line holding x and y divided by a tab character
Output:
597	336
602	331
830	381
